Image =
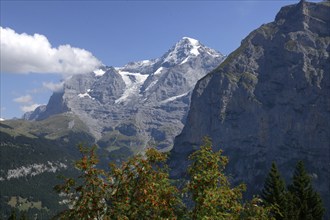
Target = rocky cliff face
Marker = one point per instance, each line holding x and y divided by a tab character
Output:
141	104
268	101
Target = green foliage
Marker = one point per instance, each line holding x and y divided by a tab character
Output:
86	200
50	128
274	192
141	189
305	202
209	187
299	202
138	189
256	210
36	190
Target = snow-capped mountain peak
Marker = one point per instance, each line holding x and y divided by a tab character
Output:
182	50
185	49
191	40
140	100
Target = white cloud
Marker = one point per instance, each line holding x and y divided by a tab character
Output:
23	53
29	108
24	99
27	103
55	87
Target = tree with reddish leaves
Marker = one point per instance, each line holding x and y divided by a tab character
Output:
85	200
139	189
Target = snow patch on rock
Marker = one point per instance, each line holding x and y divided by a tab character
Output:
173	98
86	94
133	82
159	70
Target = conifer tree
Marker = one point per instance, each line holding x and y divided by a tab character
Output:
306	203
274	192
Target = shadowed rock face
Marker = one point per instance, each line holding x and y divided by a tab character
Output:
268	101
141	104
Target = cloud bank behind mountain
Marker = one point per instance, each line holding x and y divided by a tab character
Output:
23	53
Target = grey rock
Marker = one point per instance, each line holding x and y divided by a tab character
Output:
33	115
268	101
142	104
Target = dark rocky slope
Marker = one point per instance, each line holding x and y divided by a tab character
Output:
269	101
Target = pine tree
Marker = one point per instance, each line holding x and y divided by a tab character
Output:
274	192
305	202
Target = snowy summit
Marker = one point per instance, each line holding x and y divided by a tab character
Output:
186	49
145	101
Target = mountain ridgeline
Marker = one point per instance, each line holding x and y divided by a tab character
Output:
141	104
122	110
268	101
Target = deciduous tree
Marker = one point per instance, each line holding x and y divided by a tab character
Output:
211	192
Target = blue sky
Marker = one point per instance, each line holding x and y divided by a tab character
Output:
109	32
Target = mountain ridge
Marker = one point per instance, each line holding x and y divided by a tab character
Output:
268	101
143	103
